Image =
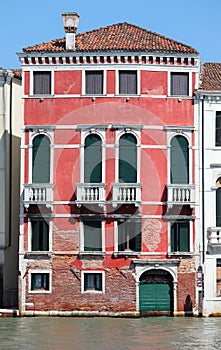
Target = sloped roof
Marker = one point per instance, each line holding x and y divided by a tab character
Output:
117	37
211	77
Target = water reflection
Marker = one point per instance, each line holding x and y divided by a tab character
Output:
161	333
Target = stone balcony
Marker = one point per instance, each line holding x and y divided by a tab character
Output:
38	194
180	194
126	193
90	193
214	236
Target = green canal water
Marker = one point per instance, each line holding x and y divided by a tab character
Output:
62	333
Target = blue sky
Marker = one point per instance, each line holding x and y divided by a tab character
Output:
25	22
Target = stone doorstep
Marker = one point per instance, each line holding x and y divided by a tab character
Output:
9	313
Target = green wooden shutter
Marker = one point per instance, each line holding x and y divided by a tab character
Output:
122	241
93	159
184	237
218	207
138	235
173	238
40	235
41	160
179	161
92	236
128	159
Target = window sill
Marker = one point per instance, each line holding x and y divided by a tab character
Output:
126	254
187	97
93	292
91	253
184	254
40	291
37	255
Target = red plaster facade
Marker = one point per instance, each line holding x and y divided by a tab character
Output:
153	116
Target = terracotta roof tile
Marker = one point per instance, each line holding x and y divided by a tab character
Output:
122	36
211	77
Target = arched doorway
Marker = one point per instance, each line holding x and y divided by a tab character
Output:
156	292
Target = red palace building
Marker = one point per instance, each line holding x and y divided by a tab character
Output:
109	146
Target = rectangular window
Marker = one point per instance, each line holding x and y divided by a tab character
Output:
180	84
92	236
94	82
40	235
93	282
129	236
127	82
180	237
218	277
40	281
218	128
42	83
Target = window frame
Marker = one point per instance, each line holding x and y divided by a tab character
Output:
117	223
84	82
42	272
49	220
217	113
32	83
82	246
189	238
117	77
182	72
92	291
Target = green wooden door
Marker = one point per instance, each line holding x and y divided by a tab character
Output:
128	159
179	169
93	159
155	297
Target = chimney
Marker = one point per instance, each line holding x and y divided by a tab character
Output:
70	20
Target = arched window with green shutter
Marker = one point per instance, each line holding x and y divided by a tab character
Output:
93	159
179	160
41	159
128	158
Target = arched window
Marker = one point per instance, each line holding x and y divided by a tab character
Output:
179	158
41	159
128	159
218	203
93	159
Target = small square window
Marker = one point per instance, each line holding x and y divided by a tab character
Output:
94	82
42	83
93	282
127	82
179	84
40	281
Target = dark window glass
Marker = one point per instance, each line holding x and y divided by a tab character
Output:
92	236
41	160
42	83
128	159
94	83
127	82
40	281
92	281
180	237
218	128
180	84
129	236
40	235
218	207
93	159
179	169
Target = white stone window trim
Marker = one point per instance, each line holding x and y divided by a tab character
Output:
41	69
180	97
117	80
82	237
39	271
30	235
190	237
32	135
83	89
137	135
102	135
92	291
188	136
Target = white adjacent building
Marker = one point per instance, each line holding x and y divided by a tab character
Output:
10	126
